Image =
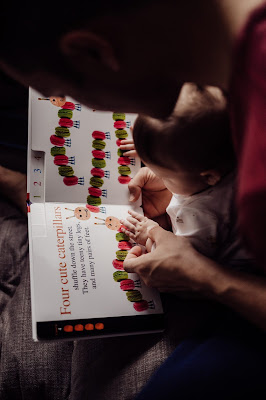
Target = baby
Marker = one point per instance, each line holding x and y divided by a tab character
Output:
193	155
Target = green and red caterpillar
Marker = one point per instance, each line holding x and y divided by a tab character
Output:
61	139
97	172
123	170
128	285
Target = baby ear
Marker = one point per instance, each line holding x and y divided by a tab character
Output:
211	177
86	46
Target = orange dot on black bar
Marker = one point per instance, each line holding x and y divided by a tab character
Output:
79	327
68	328
89	327
99	326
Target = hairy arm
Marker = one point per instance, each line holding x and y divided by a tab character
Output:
175	265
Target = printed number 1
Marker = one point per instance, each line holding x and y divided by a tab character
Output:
37	170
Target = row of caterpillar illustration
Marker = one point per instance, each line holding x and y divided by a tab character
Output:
123	170
61	139
94	200
129	286
97	172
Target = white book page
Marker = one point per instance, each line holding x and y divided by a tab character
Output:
77	147
74	275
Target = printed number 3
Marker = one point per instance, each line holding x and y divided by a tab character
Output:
38	183
37	170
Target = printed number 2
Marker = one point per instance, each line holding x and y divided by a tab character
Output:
38	183
37	170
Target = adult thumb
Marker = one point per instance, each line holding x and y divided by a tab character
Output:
157	234
134	192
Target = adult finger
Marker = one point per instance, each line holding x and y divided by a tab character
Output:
158	234
134	253
133	263
136	184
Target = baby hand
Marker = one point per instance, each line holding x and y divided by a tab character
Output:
129	148
137	227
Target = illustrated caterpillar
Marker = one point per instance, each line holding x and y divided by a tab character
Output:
97	172
123	170
127	285
61	139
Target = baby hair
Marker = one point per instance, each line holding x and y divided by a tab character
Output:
196	137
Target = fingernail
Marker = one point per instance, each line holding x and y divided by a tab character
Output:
131	197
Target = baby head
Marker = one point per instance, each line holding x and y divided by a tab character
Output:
192	149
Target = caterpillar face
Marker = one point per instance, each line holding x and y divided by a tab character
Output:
82	213
112	223
57	101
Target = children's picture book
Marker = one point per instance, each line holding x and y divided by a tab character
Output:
77	194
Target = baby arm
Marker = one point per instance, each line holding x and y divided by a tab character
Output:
137	227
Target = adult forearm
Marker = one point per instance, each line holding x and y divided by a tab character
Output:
176	266
243	292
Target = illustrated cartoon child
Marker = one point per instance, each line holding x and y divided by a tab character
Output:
80	212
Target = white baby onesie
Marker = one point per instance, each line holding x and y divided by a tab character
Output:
208	220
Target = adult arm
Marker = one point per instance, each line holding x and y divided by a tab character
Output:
176	266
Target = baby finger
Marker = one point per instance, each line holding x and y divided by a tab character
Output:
136	215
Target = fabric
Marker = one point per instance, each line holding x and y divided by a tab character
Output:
208	220
118	368
227	360
28	370
248	112
102	369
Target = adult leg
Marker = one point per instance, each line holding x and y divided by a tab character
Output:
28	370
227	361
117	368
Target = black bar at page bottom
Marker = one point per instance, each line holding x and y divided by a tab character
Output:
93	327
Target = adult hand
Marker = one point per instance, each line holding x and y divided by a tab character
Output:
173	265
176	266
155	196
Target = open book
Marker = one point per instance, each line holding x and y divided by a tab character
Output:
77	194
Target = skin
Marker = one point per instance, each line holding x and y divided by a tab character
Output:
184	269
137	227
192	100
176	181
97	55
155	196
101	59
128	145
